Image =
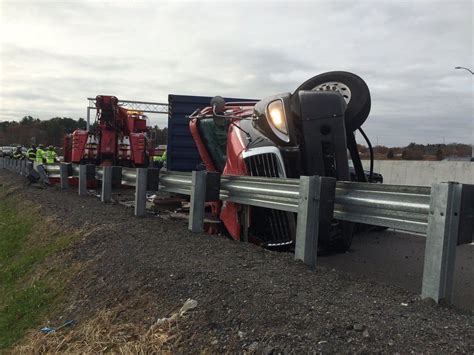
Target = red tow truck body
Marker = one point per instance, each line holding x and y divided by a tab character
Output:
120	137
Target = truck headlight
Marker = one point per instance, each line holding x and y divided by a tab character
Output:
277	118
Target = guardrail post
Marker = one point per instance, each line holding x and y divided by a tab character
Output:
86	173
197	201
106	194
315	210
466	217
140	192
82	180
64	169
25	167
205	186
441	240
116	176
29	167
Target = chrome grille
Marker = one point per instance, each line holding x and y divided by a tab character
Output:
274	228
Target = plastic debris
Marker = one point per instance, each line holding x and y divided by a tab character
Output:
50	330
187	306
150	197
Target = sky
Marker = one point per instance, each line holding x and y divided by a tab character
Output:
55	54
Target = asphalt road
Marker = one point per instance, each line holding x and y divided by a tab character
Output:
396	258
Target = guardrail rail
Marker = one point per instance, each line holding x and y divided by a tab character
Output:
438	211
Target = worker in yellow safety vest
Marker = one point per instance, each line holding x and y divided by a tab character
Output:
31	153
159	159
40	154
18	154
50	155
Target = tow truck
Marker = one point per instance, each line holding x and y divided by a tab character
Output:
119	137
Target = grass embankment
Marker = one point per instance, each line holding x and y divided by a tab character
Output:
32	278
34	273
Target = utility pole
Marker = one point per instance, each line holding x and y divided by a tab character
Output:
472	144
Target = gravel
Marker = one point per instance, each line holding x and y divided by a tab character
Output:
249	299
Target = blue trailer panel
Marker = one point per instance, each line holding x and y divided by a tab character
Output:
182	153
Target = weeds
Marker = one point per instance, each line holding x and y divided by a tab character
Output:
29	283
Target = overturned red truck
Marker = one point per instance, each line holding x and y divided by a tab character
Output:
119	138
308	132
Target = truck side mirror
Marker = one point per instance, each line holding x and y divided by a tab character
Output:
218	107
218	104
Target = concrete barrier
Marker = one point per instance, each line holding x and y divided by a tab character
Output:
423	173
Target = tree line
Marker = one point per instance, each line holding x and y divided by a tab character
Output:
415	151
31	130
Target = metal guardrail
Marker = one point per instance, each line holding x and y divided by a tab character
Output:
401	207
176	181
99	172
52	170
75	171
275	193
129	176
394	206
434	211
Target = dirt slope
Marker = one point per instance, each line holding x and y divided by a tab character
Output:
249	299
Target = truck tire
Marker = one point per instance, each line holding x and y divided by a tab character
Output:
351	87
339	239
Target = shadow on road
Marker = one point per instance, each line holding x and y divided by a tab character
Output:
396	258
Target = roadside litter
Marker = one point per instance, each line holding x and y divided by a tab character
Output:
50	330
187	306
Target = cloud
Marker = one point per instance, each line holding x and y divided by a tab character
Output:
56	54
